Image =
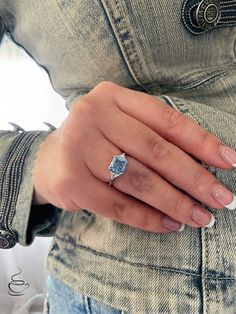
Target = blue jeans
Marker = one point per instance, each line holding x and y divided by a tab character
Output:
62	299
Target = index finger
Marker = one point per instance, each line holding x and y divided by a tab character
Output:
177	128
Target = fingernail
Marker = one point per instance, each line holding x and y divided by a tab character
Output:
181	228
172	224
224	196
228	154
212	222
202	217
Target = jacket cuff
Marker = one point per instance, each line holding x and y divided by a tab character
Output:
19	220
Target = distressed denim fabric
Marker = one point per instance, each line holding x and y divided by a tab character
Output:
72	302
154	46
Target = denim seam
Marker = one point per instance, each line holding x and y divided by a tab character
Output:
118	30
215	230
190	20
225	23
205	82
228	17
128	46
152	267
207	301
211	76
181	107
201	285
229	4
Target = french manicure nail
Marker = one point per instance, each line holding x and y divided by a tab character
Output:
232	205
228	154
181	228
212	222
224	196
202	217
172	224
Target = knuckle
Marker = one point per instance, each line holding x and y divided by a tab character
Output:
85	107
82	110
93	105
105	86
179	205
207	140
85	112
198	178
172	117
142	182
160	149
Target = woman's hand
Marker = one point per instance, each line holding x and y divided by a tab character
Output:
162	186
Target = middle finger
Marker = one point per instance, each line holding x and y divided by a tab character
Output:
172	163
145	185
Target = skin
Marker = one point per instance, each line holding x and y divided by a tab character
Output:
164	182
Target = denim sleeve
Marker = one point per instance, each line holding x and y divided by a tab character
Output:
20	220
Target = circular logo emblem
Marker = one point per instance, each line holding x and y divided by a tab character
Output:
3	242
208	13
6	240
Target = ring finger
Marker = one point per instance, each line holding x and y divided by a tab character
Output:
145	185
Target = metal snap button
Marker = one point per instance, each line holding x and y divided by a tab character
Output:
208	13
7	241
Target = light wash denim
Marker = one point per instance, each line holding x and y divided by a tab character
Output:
61	299
158	47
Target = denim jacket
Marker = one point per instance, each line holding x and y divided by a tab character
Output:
182	50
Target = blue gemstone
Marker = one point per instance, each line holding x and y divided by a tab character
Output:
118	164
